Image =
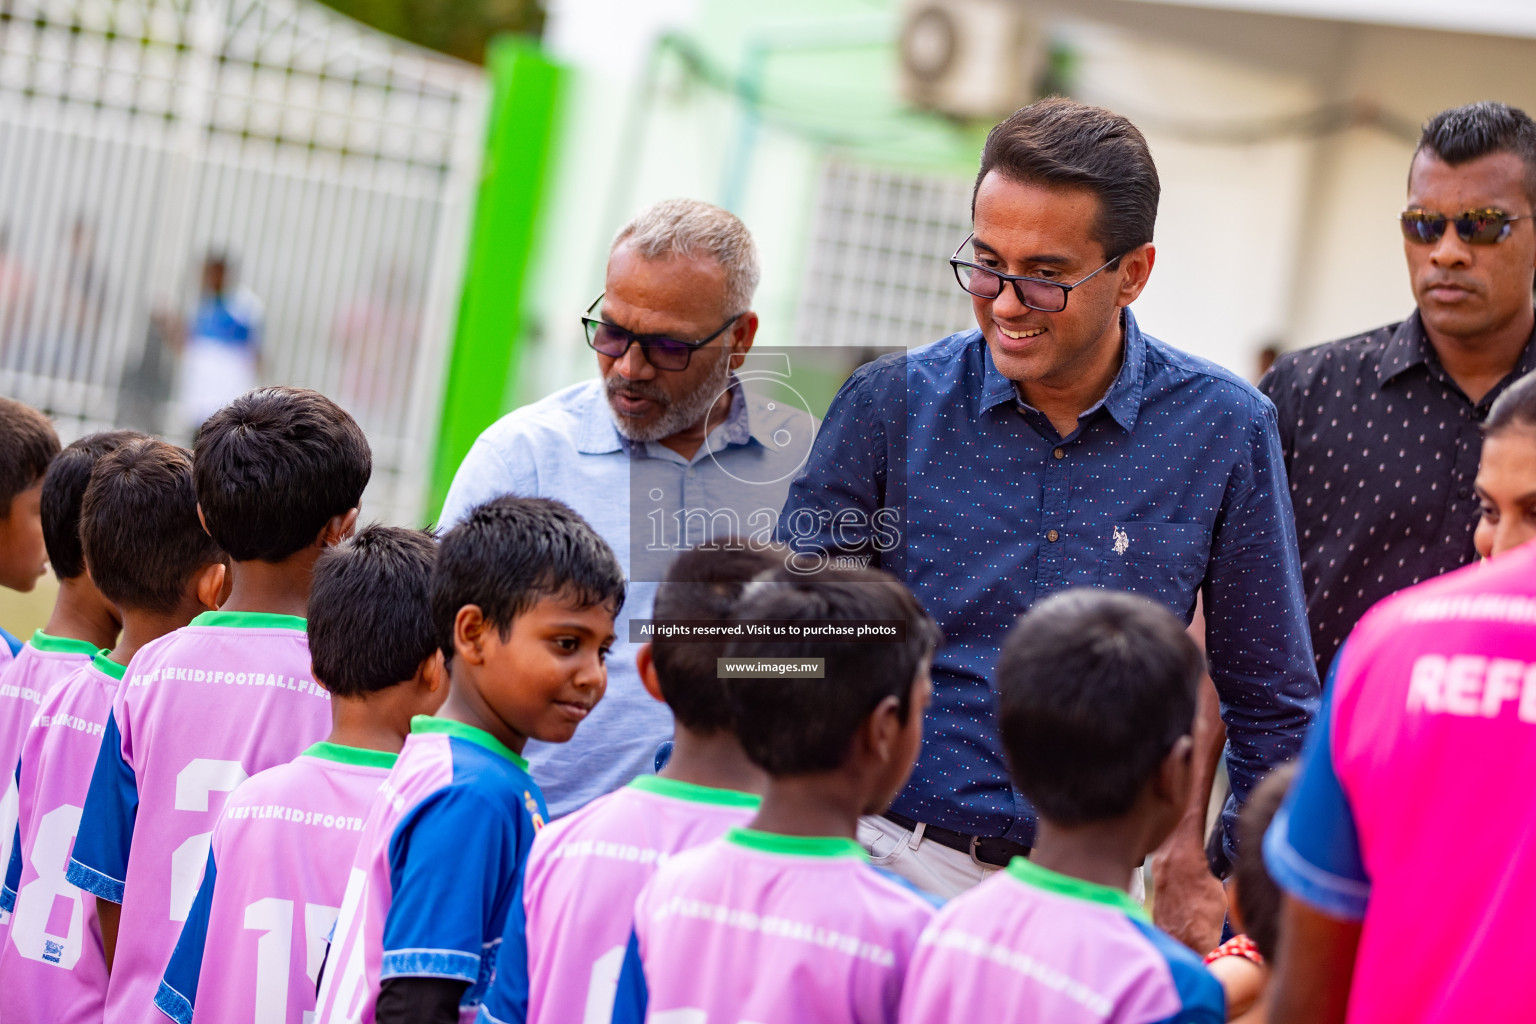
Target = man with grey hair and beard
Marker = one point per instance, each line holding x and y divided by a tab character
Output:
662	450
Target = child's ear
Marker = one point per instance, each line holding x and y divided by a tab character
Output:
433	673
209	583
469	630
338	529
645	661
1176	775
883	729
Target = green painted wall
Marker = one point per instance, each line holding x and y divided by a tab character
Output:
526	87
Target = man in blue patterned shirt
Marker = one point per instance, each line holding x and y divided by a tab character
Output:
1058	446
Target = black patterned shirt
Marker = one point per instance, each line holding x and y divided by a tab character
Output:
1381	446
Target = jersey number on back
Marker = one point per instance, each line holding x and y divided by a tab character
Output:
274	952
194	783
34	904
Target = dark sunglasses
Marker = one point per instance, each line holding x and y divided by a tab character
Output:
1475	227
662	352
1034	292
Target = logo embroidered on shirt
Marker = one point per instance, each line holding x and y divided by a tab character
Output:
53	952
1122	541
533	810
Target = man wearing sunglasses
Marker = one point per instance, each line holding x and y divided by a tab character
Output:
1382	431
1059	446
666	431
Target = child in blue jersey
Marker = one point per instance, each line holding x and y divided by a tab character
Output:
784	920
560	961
1096	697
523	599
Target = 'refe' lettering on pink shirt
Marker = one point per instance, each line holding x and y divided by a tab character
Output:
771	929
1418	769
42	663
583	875
253	944
200	711
51	958
1031	944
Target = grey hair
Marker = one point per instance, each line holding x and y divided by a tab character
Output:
688	228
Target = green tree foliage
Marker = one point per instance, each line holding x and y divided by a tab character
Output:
460	28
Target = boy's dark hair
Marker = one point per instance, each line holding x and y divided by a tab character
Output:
64	489
793	726
28	443
1060	143
139	528
370	610
1094	688
273	467
703	584
1515	407
1462	134
509	552
1258	898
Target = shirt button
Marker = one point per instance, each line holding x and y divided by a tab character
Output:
1052	536
1058	453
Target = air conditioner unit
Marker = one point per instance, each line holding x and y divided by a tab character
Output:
970	58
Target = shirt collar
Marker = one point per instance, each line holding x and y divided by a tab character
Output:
1408	347
1122	400
599	436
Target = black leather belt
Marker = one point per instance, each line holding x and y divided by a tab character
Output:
991	850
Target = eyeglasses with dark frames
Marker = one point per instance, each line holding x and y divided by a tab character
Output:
661	351
1034	292
1475	227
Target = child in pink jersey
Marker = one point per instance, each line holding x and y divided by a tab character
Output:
278	475
152	559
251	948
785	921
560	962
81	623
1096	698
523	600
28	444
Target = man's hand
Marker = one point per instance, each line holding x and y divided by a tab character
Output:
1188	901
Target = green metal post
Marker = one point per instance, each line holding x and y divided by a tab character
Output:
525	90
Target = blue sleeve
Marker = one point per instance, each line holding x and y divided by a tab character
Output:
13	868
844	501
506	1002
631	1003
453	868
99	862
10	641
1258	642
1312	848
178	989
1201	998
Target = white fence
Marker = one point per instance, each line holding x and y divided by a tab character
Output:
333	166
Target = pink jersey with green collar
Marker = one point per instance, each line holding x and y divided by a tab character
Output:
1031	944
42	663
438	871
251	949
770	929
51	957
201	710
1412	810
584	873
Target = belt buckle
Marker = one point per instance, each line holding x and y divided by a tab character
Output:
976	841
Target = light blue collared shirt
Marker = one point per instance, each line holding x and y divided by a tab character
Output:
647	502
